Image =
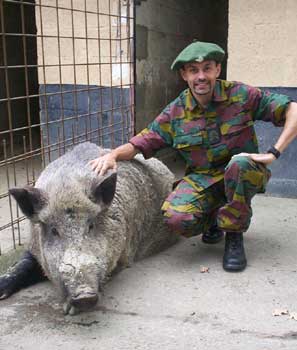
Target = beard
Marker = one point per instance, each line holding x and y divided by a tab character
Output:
201	88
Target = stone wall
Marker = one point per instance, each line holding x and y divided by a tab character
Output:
163	29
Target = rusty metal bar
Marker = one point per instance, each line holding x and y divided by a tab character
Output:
88	75
9	198
44	80
74	60
111	75
119	33
27	86
12	223
54	36
26	160
59	142
58	93
99	120
73	134
42	148
6	79
60	74
132	55
62	64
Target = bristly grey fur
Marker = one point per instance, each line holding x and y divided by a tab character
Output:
79	241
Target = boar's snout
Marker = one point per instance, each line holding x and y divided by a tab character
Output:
85	299
79	274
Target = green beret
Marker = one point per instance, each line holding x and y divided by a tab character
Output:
198	51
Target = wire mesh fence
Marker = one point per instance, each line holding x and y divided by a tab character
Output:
66	76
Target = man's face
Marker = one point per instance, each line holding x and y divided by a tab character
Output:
201	76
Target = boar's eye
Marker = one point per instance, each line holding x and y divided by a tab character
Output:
54	232
70	212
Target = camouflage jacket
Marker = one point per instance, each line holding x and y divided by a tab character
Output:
208	138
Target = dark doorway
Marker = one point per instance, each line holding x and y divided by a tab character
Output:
18	77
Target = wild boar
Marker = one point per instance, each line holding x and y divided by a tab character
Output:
83	226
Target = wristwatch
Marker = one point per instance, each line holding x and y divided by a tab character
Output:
274	151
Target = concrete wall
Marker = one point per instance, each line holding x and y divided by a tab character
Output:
263	52
262	42
163	29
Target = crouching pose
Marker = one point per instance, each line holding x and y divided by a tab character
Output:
211	125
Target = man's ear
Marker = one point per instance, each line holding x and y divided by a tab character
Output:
183	74
30	199
219	68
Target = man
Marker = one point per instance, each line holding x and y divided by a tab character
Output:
211	125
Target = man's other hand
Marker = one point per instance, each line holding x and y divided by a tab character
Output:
264	158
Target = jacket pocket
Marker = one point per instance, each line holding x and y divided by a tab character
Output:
236	125
183	141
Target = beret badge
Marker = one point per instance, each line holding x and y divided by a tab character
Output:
199	59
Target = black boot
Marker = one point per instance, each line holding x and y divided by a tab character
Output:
234	256
213	235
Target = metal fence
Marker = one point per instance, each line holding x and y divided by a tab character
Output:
66	76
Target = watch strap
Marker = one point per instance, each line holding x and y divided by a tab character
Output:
274	151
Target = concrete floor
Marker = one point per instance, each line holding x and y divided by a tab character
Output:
166	302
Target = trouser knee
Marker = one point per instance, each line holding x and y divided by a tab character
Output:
186	224
243	173
238	165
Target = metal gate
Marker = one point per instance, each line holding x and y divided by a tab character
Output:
66	76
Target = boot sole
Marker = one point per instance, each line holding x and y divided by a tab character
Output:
212	240
234	268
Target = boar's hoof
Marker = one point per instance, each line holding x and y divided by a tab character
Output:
80	302
69	309
7	286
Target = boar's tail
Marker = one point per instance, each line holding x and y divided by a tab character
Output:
23	274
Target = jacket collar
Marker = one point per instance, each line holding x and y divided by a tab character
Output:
219	95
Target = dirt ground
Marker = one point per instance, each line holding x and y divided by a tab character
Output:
166	302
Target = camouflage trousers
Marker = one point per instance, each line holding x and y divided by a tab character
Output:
226	203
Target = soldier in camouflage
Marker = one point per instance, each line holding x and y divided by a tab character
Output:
211	125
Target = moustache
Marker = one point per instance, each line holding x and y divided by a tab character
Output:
200	81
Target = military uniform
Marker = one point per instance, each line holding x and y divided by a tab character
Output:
215	188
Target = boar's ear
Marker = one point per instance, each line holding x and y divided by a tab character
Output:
30	199
104	191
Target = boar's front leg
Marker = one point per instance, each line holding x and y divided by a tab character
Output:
23	274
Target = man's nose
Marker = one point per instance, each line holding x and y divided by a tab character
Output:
200	75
